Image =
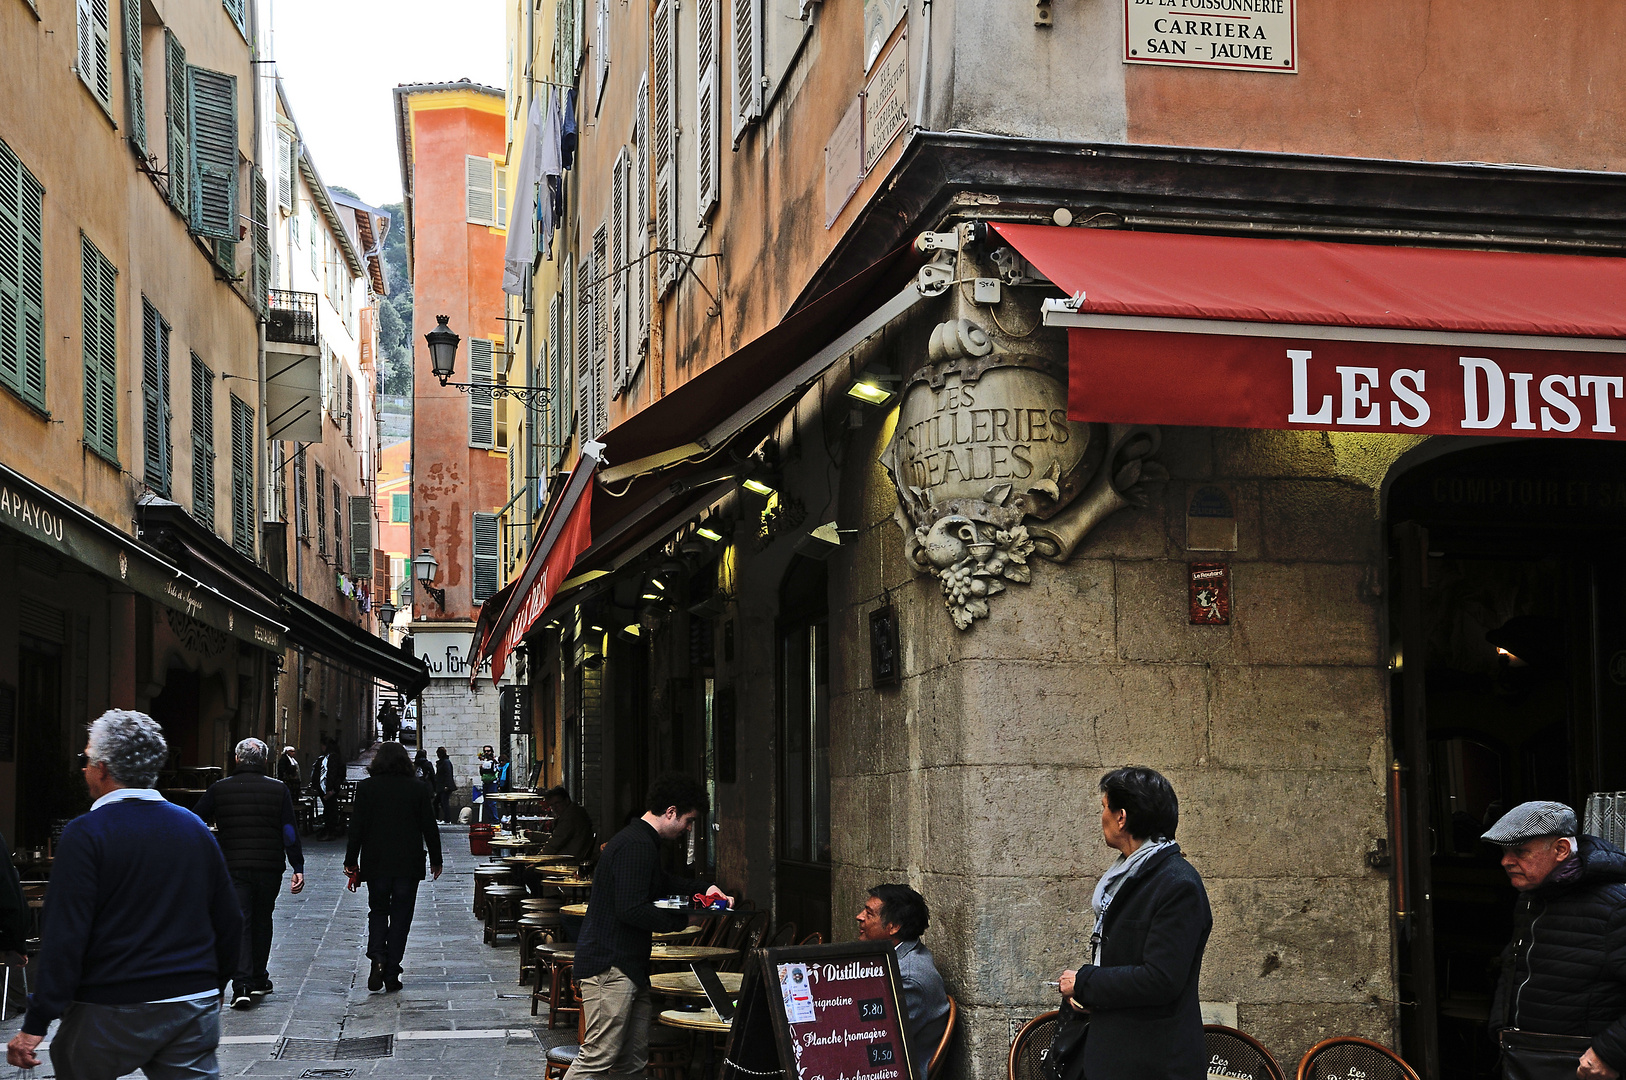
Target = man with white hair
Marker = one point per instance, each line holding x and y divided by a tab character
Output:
255	817
141	925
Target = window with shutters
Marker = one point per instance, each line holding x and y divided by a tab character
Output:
338	528
619	275
302	499
482	417
243	518
285	169
559	404
708	121
315	246
212	114
601	51
481	190
22	280
234	8
602	314
500	188
99	282
350	409
95	64
260	281
135	105
400	509
584	329
203	445
663	124
487	553
155	399
638	236
178	141
747	57
321	511
361	536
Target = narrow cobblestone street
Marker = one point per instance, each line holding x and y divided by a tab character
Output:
461	1013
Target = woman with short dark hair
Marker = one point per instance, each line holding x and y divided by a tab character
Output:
1152	922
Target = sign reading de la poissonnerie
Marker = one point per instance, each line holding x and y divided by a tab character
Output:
1201	380
1250	35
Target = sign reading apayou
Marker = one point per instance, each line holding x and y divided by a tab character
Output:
1252	35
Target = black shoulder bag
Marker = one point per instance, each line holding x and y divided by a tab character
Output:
1063	1059
1530	1055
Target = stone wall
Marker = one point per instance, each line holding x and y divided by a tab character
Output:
975	780
462	720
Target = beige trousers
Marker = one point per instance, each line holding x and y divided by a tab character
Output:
616	1014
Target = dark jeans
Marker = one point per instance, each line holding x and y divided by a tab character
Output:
171	1040
330	815
443	808
390	902
256	897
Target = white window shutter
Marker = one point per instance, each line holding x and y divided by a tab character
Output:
708	121
638	240
598	383
601	51
482	423
501	185
361	536
285	170
487	553
95	61
481	174
663	124
557	358
618	268
747	64
585	322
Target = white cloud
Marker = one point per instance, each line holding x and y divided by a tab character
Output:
339	60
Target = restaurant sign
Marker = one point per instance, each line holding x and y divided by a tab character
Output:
1281	383
446	655
1251	35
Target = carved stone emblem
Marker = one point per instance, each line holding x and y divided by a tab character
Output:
991	474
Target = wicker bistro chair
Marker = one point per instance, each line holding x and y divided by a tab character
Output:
1338	1059
934	1068
815	938
1234	1053
785	935
1031	1042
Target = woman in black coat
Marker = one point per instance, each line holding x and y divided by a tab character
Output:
424	770
390	827
1152	922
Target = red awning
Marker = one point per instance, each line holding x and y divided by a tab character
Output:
1170	328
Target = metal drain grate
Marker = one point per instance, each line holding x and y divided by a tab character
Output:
371	1046
326	1074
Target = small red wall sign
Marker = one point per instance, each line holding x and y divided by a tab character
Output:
1210	590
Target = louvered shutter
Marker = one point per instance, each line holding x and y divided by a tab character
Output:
481	180
585	326
598	377
561	396
321	510
203	446
601	51
563	389
22	280
747	64
285	169
234	8
663	122
638	241
95	42
242	478
155	398
708	121
361	536
99	283
618	271
262	241
482	420
500	190
135	107
212	115
338	528
178	141
487	553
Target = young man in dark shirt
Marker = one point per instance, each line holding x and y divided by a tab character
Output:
612	952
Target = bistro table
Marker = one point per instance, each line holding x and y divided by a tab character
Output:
512	800
578	910
688	954
705	1020
684	984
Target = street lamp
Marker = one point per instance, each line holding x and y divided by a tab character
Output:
386	614
443	362
424	567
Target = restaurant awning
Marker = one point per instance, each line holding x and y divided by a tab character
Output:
1222	331
314	627
662	465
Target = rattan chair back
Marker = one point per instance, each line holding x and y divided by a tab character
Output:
1338	1059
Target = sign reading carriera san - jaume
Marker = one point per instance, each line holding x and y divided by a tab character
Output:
990	473
1250	35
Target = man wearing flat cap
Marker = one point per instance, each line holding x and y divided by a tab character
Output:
1564	972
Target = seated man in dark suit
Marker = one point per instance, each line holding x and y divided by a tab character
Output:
898	914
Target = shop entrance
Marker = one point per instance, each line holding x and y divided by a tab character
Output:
1509	628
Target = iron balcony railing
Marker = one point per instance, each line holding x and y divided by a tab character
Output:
292	318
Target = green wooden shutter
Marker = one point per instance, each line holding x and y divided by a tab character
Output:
155	398
487	553
22	281
242	477
361	536
212	119
321	510
135	108
99	282
95	50
262	241
400	509
234	8
179	143
338	528
203	443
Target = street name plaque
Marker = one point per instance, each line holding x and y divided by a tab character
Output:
1248	35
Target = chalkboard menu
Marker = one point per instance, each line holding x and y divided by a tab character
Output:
821	1012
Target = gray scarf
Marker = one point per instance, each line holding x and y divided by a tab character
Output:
1122	869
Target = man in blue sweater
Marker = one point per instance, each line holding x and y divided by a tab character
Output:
142	928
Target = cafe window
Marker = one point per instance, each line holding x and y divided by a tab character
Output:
804	652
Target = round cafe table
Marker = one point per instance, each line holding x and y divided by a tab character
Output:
578	910
705	1020
675	937
688	954
684	984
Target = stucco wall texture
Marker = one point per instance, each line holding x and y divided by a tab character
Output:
975	780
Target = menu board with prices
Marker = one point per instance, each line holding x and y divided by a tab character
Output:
821	1012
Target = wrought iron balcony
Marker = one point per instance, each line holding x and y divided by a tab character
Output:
292	318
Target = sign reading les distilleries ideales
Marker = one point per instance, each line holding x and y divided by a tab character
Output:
1253	35
821	1012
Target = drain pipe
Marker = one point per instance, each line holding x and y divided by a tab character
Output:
925	62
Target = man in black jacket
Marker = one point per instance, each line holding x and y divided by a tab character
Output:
255	818
390	827
1564	972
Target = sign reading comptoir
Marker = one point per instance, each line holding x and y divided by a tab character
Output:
1251	35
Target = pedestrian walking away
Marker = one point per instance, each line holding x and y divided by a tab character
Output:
389	721
255	818
1152	922
1562	973
391	829
332	784
612	951
445	785
142	926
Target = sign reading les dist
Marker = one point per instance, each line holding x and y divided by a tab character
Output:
825	1012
